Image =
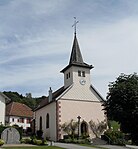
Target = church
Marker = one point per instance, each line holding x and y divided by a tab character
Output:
77	100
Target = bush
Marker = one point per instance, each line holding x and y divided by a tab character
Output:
75	141
39	134
2	128
26	140
39	142
1	142
116	137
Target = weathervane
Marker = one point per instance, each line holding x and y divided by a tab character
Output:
74	25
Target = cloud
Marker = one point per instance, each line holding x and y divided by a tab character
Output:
112	49
36	39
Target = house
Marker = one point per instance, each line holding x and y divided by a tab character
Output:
3	100
19	114
77	100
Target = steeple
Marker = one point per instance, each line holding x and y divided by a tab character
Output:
76	56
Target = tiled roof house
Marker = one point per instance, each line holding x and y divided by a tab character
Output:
19	114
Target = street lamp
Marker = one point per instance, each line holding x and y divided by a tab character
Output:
78	126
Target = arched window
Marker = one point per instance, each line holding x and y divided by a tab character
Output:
40	123
47	120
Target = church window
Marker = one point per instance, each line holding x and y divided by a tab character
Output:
40	123
83	73
47	120
69	74
79	73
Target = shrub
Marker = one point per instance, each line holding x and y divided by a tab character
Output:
39	134
75	141
39	142
116	137
26	140
1	142
2	128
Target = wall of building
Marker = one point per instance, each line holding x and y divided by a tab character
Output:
71	109
14	120
51	110
82	92
74	78
2	110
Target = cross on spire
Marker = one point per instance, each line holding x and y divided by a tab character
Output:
75	24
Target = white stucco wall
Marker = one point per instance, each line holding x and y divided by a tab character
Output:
87	110
79	91
74	78
2	110
51	131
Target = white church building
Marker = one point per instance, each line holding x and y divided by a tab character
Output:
76	98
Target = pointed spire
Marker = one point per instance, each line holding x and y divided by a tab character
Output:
76	56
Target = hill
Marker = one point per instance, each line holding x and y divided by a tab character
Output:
28	99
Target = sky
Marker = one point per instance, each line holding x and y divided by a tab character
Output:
36	40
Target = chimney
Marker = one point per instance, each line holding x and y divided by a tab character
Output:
50	95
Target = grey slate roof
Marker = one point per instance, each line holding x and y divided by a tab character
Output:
76	57
55	94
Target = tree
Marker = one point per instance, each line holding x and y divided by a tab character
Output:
70	128
98	128
27	100
122	103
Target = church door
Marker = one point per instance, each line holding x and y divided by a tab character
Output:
84	129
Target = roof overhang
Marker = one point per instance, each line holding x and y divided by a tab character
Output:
84	65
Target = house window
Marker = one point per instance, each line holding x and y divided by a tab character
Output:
12	119
21	120
79	73
67	76
28	121
18	120
83	73
40	123
47	120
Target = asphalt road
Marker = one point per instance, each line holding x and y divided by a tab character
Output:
74	146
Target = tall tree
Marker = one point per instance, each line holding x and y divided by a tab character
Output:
122	103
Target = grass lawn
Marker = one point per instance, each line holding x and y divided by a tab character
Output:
93	146
34	147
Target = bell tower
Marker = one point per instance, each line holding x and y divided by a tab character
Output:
77	71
